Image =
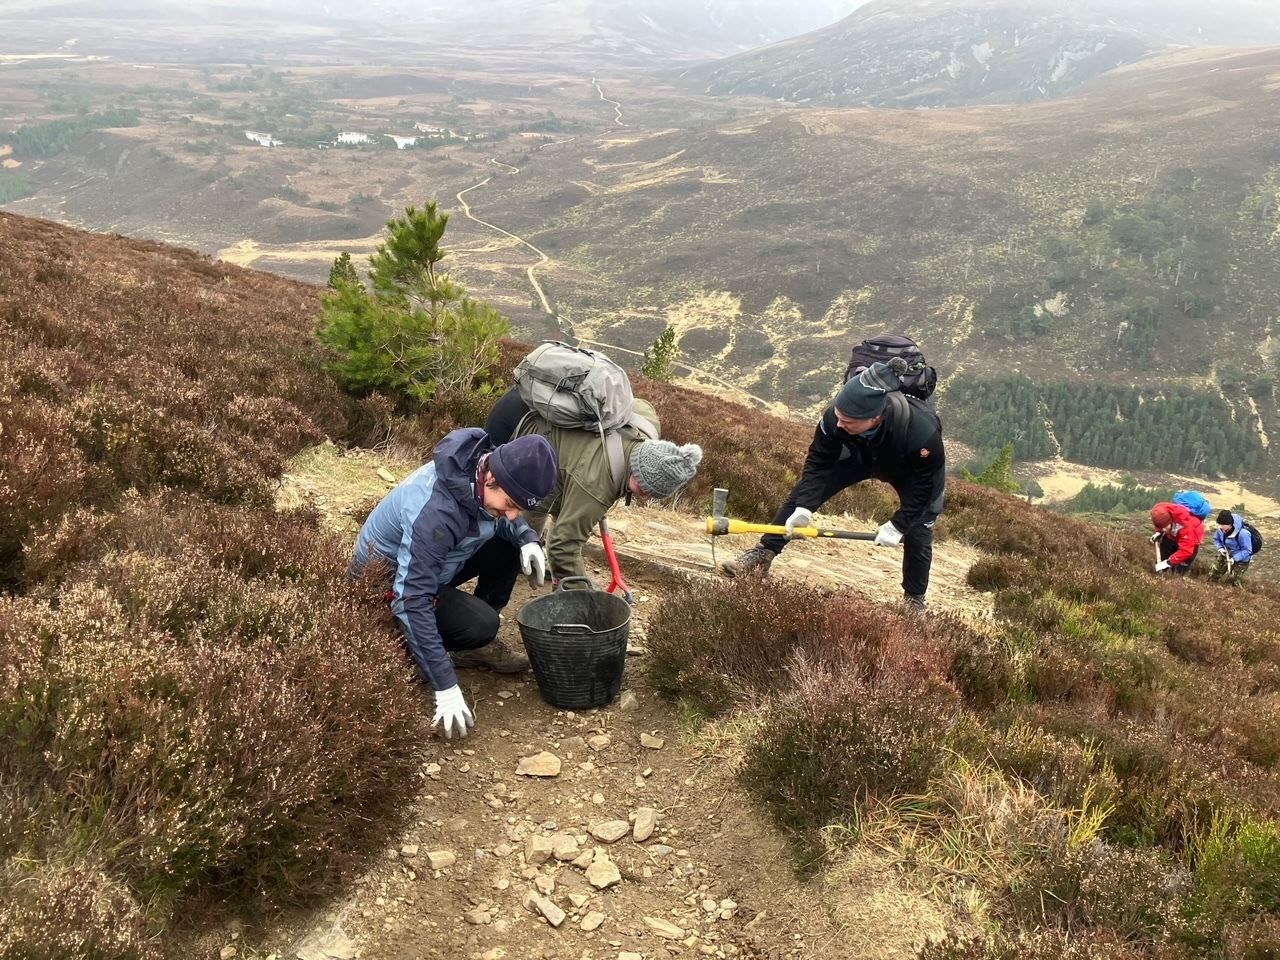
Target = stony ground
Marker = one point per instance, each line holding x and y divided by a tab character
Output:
610	834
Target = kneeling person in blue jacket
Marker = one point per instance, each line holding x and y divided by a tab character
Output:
456	519
1235	548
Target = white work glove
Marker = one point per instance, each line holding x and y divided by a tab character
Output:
1156	536
1162	566
1222	551
533	562
888	535
453	710
800	517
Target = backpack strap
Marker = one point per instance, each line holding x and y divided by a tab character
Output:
899	417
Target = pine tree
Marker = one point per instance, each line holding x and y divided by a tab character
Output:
999	475
342	271
416	336
659	359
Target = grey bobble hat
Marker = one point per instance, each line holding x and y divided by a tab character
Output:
865	396
661	468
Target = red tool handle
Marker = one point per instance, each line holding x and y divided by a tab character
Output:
617	583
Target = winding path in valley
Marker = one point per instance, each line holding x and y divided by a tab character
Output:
543	259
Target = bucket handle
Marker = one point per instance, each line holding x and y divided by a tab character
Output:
566	580
571	629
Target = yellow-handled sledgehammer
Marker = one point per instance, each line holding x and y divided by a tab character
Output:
722	526
718	525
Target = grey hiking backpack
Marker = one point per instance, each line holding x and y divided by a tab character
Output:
580	389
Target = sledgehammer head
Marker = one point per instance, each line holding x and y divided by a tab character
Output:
719	502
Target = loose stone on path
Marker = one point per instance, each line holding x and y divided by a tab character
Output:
539	765
646	823
651	742
603	873
609	831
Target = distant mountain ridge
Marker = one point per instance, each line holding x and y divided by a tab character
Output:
917	53
644	32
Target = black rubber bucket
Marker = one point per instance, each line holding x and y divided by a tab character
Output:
577	644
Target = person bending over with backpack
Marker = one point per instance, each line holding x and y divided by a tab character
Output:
1178	535
585	486
871	429
1236	546
453	520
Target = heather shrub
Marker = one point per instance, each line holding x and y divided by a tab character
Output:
203	701
835	741
722	644
71	912
130	366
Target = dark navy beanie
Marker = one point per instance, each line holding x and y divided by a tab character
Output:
865	396
525	469
1225	518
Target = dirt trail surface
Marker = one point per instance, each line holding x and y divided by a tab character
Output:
640	845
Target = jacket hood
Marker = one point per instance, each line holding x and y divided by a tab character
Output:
455	460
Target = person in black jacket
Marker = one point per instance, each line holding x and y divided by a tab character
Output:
871	429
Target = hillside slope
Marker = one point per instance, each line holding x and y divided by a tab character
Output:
906	53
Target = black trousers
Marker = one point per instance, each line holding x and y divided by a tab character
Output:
470	620
1168	547
917	543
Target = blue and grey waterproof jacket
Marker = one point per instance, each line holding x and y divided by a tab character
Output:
432	523
1238	543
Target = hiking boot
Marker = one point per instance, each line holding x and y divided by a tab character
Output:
495	656
914	604
754	562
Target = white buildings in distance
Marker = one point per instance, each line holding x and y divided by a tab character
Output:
353	139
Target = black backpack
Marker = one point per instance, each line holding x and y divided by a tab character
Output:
920	379
1255	535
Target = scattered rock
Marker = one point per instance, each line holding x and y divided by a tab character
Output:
646	740
497	953
728	909
629	955
227	952
503	850
564	847
610	831
637	650
329	946
603	873
506	694
543	906
599	741
628	701
646	823
409	850
478	917
441	859
710	906
546	885
584	859
664	929
386	475
592	921
540	765
537	849
573	745
579	900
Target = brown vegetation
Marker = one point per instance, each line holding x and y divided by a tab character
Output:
194	702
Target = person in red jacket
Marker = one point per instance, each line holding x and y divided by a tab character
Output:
1178	533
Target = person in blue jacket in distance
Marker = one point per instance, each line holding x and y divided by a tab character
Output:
1235	548
455	519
